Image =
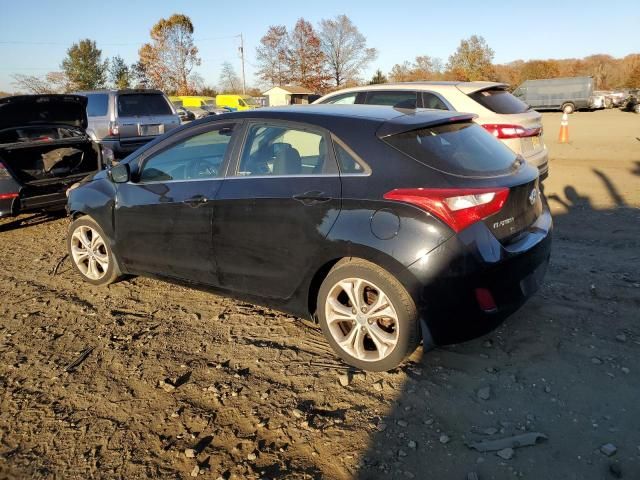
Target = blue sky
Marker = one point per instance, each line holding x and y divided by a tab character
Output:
35	35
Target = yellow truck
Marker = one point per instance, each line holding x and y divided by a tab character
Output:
193	101
237	103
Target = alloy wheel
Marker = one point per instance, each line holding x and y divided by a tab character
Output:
361	319
89	252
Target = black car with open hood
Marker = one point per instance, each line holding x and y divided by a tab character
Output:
44	148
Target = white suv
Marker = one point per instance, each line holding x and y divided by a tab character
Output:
508	118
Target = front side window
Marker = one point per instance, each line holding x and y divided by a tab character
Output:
280	150
402	99
345	99
194	158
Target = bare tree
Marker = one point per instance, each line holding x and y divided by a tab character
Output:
229	81
272	56
52	82
345	49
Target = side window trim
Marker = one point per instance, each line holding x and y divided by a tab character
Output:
186	135
243	136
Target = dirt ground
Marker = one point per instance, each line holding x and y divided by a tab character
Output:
180	383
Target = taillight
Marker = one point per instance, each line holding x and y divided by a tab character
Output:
458	208
114	129
4	173
8	196
504	131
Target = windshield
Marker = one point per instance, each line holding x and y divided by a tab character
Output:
464	149
139	105
97	104
500	101
251	101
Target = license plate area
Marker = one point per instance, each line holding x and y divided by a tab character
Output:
155	129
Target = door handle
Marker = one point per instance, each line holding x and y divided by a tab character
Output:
312	198
196	200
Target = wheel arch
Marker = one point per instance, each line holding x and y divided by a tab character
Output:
361	252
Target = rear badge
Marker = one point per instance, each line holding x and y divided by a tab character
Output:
533	196
502	223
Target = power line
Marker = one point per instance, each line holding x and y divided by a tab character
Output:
21	42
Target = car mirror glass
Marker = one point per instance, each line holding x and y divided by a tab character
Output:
119	173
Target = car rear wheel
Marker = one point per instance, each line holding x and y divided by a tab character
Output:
568	108
367	316
90	252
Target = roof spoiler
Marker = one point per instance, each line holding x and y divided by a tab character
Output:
418	119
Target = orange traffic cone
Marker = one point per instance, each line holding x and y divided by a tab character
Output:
563	136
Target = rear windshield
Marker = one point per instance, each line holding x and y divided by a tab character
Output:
499	101
139	105
464	149
97	104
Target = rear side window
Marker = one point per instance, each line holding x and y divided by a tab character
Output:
429	100
97	105
405	99
140	105
499	101
279	150
344	99
348	163
464	149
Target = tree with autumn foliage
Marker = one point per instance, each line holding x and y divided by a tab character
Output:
423	67
345	49
170	57
306	61
272	56
472	60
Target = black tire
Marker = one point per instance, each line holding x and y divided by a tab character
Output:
107	275
407	331
636	108
568	108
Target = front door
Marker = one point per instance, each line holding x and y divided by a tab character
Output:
164	219
275	209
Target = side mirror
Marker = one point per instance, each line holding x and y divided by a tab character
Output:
120	173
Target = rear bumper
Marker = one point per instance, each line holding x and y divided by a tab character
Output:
451	273
16	206
540	160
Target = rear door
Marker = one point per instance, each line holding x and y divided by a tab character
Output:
143	116
164	219
275	209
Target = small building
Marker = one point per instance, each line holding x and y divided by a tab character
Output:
288	95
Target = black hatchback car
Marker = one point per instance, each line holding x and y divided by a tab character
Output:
385	226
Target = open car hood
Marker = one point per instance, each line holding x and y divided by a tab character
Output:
30	110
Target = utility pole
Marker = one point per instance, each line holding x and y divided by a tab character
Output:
244	85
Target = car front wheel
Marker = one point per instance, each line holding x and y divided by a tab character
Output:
367	316
90	252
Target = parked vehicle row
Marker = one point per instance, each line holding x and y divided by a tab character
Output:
503	115
387	228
